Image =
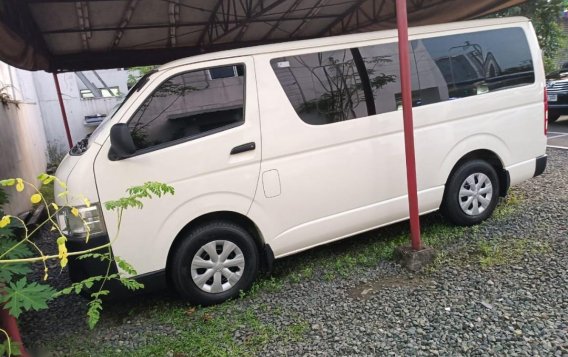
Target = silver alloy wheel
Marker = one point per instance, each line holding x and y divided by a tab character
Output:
217	266
475	194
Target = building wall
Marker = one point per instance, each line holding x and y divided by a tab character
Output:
75	107
112	77
22	137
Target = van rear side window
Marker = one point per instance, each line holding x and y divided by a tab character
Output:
464	65
333	86
190	105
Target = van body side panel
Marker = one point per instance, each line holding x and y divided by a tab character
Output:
333	177
346	177
204	174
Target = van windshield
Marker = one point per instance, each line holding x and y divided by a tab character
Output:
102	126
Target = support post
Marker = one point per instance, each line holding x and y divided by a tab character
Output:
10	325
406	87
62	107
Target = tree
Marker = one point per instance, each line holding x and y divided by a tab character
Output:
135	73
544	15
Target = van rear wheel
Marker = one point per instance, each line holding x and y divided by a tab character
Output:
214	262
471	193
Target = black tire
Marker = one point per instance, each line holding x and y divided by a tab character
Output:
451	205
553	116
181	262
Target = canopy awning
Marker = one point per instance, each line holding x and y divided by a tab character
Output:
65	35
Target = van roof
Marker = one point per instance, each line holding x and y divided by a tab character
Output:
333	40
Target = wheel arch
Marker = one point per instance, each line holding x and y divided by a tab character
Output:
491	158
228	216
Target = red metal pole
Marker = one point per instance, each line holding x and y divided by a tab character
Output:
406	86
11	326
62	106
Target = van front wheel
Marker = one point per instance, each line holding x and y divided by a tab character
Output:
213	263
471	193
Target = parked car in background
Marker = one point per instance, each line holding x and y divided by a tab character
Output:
557	85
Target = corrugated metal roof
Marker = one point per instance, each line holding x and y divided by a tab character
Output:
64	35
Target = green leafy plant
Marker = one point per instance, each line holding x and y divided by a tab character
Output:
18	294
135	73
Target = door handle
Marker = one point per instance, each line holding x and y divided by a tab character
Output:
243	148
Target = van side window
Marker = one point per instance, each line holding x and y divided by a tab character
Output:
383	71
323	87
464	65
189	105
334	86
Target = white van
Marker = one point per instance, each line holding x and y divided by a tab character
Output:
276	149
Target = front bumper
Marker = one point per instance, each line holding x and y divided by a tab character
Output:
81	269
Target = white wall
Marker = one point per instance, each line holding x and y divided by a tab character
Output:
22	137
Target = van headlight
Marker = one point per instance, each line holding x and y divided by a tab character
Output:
88	219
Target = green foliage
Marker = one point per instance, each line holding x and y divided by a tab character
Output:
8	271
95	308
5	231
3	198
508	205
508	251
47	192
9	247
10	348
16	292
131	284
210	332
125	266
55	154
135	73
23	295
78	287
137	193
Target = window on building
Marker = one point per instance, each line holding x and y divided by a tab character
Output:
189	105
106	92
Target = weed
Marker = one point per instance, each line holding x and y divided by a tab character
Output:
508	251
46	191
55	154
328	276
508	205
221	330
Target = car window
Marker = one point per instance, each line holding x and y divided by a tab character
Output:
475	63
383	70
323	87
189	105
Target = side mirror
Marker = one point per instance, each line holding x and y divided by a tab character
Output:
121	143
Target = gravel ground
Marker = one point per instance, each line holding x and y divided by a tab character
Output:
458	308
